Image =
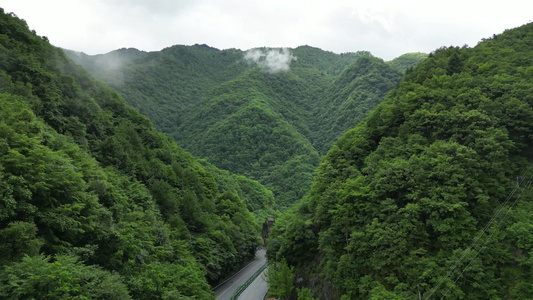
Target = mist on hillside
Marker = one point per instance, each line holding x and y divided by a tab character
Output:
271	60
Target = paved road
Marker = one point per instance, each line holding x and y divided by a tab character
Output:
256	290
226	290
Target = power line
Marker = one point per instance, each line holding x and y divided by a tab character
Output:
482	232
490	236
466	251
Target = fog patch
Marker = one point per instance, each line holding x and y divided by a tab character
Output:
270	60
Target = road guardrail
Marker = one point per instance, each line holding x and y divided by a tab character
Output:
245	285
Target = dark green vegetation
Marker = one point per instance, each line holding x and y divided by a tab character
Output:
94	202
266	125
399	198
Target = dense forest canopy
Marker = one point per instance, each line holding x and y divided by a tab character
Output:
265	113
350	98
430	195
94	202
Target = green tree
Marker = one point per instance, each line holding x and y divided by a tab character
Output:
305	294
62	277
17	240
280	280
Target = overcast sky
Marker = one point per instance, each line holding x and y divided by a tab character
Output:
385	28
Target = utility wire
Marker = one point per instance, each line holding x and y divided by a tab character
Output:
490	236
466	251
482	232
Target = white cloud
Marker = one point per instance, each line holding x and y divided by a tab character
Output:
270	60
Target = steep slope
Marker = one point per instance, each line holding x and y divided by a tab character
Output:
166	85
258	198
351	97
401	204
118	209
247	128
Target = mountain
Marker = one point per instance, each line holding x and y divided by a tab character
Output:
266	113
326	61
405	61
94	201
353	94
167	84
250	126
429	195
108	67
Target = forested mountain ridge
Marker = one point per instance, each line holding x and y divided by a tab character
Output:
325	61
108	67
166	84
406	61
94	202
248	127
402	203
351	97
230	107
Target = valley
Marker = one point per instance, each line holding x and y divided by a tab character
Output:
268	123
148	175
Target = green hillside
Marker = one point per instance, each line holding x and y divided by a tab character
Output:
164	85
241	116
94	202
248	128
351	97
108	66
405	61
326	61
402	204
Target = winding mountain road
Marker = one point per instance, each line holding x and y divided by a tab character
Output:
226	290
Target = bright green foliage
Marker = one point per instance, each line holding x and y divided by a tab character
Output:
158	281
399	198
305	294
63	277
45	190
257	198
280	279
85	175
